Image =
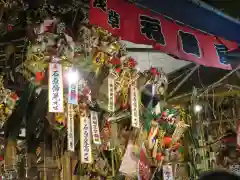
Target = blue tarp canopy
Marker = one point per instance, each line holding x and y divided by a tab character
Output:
197	15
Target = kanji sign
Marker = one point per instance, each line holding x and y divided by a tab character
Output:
111	94
95	128
70	128
135	106
152	29
55	88
85	142
140	26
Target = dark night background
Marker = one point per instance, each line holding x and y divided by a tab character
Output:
230	7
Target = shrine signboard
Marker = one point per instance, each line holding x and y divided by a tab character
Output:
163	33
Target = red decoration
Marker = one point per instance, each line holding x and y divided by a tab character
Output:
115	61
10	28
132	63
118	70
14	96
167	141
39	76
159	156
154	72
164	114
144	170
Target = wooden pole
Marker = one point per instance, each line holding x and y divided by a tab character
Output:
67	168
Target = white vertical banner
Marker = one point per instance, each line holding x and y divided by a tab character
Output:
55	88
85	141
95	128
111	94
168	172
135	106
70	128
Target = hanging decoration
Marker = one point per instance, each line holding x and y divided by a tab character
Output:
8	101
73	87
135	106
70	128
55	88
111	94
86	149
95	89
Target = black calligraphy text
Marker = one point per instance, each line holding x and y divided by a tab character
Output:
113	19
101	4
152	29
189	43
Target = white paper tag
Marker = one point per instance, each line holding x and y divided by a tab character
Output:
111	94
70	128
135	106
73	93
129	161
95	128
179	131
158	108
55	85
86	149
167	172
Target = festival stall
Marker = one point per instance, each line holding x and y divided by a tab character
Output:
110	116
88	111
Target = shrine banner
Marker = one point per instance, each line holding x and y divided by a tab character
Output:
140	26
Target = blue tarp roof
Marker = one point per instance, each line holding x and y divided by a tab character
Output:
197	16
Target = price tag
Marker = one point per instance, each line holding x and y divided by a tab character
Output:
55	91
70	128
86	149
135	106
111	94
167	172
95	128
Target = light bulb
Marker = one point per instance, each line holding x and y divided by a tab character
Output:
72	76
197	108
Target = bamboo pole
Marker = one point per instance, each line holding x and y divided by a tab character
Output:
183	81
67	166
10	155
